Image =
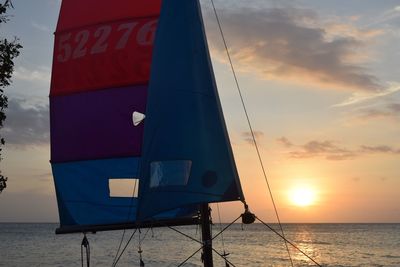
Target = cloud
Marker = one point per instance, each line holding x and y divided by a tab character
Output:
284	141
291	44
40	27
326	149
26	124
380	149
359	97
331	151
395	107
248	137
42	74
373	114
389	111
337	29
387	16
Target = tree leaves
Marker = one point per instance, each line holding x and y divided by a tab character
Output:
9	50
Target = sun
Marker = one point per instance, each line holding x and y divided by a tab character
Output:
302	196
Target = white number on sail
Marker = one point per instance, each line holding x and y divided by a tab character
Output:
81	38
78	48
128	27
64	48
101	34
147	33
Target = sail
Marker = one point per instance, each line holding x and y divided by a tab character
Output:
187	158
100	75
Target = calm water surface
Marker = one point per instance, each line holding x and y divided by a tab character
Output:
329	244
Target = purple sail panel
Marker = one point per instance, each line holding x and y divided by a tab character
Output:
96	125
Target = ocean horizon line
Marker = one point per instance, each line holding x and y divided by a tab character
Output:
215	223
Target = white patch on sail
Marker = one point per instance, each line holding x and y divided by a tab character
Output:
169	173
123	187
137	118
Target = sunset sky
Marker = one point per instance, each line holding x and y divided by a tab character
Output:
321	82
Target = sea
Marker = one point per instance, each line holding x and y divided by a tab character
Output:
33	244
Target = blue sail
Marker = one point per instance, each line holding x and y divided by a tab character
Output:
187	158
100	74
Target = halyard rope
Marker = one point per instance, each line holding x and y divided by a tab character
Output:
289	242
225	255
123	250
129	215
250	127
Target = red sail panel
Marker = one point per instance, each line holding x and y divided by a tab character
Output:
78	13
110	54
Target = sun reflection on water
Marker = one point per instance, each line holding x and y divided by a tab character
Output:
305	241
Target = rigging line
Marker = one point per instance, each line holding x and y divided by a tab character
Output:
226	227
145	234
140	251
250	127
220	228
291	243
139	240
182	263
194	239
219	254
85	244
188	236
129	215
123	250
222	256
119	247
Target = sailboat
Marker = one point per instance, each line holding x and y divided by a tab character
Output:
134	102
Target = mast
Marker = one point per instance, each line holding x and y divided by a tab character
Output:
206	235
